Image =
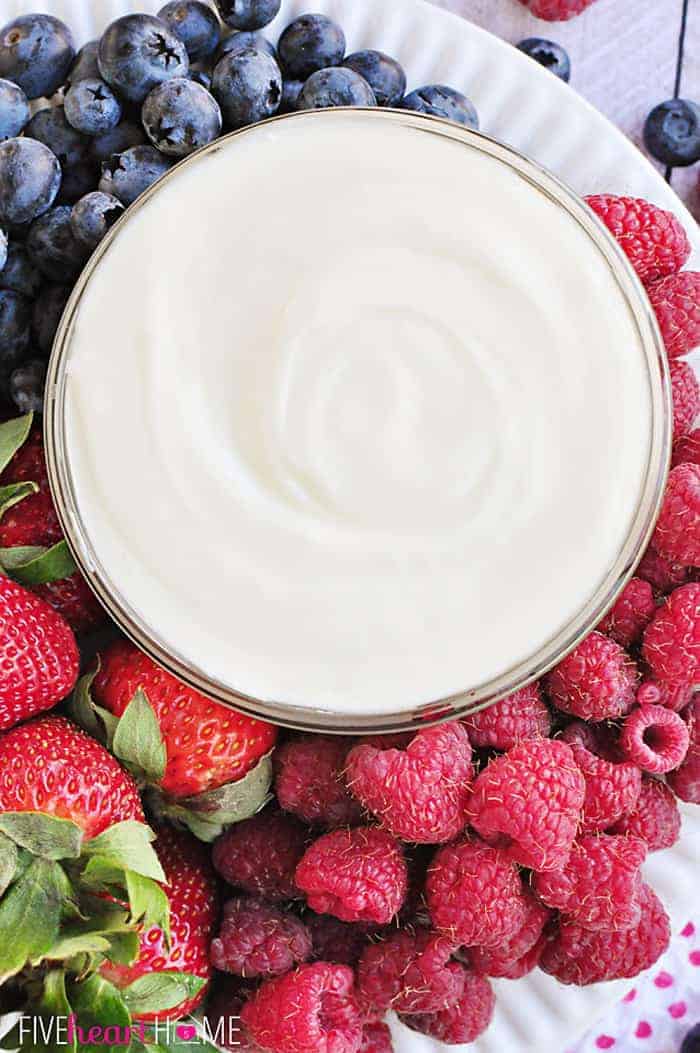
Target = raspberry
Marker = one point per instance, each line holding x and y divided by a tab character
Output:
356	875
595	682
612	790
522	715
260	855
462	1022
676	301
653	240
256	939
685	392
677	534
419	794
655	819
519	954
633	610
686	450
672	641
410	972
578	956
654	738
309	781
662	574
529	802
673	696
376	1038
334	940
474	894
685	782
310	1010
600	886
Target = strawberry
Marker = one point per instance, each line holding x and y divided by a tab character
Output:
39	658
192	894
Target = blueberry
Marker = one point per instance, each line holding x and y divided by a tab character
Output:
291	90
53	247
116	141
26	386
36	52
384	75
195	24
14	109
48	308
248	87
550	55
180	116
242	41
441	101
200	76
310	43
30	176
248	14
672	133
85	64
77	181
3	250
50	127
335	86
691	1042
19	273
92	217
15	321
137	52
130	173
91	107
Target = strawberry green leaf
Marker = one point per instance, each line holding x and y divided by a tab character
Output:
102	874
9	858
31	912
67	946
13	435
138	742
13	493
158	992
123	947
47	565
127	845
18	555
98	722
148	902
98	1004
43	835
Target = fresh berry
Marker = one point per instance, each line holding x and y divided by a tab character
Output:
676	302
49	765
247	86
376	1038
260	855
75	601
309	781
36	52
691	1041
356	875
655	818
207	745
673	696
522	715
192	896
26	386
19	273
410	971
33	521
15	319
256	939
672	133
462	1022
518	954
180	116
126	176
334	940
556	10
419	793
14	109
384	75
654	240
91	106
672	641
92	216
634	608
474	894
195	24
685	782
310	43
578	956
38	655
52	246
686	450
248	14
677	534
117	141
310	1010
612	789
654	738
662	574
529	802
50	127
549	54
438	100
48	310
244	40
686	398
30	177
595	682
335	86
84	64
600	886
136	52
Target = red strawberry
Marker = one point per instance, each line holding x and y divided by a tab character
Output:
49	765
192	895
38	655
75	601
556	10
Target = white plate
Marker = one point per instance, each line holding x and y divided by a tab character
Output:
524	105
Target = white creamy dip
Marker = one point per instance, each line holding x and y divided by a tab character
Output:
357	418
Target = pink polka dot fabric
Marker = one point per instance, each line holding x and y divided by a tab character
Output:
655	1014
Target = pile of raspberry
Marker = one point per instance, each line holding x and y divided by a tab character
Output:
402	873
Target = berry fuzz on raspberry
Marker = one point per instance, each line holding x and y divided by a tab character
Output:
686	398
462	1022
309	781
677	534
519	954
629	616
654	241
418	794
655	818
612	789
529	802
595	682
676	301
256	939
376	1038
672	641
655	739
411	971
522	715
260	855
356	875
685	782
662	574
